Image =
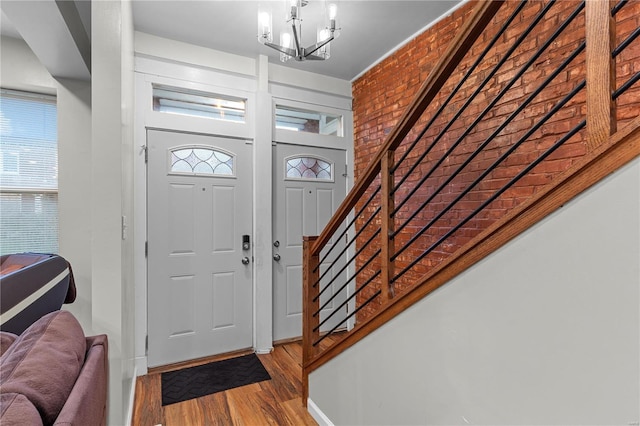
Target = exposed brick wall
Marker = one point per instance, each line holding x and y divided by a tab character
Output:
381	96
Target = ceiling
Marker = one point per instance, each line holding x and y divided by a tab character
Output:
370	29
84	11
6	27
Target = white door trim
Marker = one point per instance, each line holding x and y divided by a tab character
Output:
145	118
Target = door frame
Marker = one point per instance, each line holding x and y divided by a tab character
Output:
261	96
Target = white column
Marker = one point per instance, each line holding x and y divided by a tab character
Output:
112	188
263	266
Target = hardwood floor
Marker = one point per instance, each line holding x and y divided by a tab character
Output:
272	402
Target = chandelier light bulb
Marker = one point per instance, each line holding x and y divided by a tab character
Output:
333	11
264	27
263	18
324	52
323	34
293	12
285	41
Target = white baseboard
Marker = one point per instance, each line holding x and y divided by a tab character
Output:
264	351
132	394
317	414
141	366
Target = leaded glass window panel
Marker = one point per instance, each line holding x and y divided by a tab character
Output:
307	167
201	161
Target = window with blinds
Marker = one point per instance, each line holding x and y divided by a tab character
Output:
28	173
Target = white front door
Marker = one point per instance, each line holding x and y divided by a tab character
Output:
199	271
309	185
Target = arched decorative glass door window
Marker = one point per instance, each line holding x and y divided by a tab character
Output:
308	167
201	160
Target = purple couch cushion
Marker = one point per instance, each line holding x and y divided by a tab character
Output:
16	410
44	362
87	402
6	340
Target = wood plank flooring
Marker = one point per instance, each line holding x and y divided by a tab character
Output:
273	402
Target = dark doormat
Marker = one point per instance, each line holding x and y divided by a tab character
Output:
218	376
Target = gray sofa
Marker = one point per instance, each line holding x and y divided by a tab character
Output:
52	374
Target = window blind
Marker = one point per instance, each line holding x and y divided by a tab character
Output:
28	173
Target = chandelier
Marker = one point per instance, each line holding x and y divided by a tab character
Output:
291	38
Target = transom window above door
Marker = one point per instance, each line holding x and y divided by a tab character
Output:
302	120
198	104
308	168
200	160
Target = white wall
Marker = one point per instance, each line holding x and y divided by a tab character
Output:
112	106
20	69
544	331
74	194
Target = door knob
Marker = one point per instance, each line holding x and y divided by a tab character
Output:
245	260
276	257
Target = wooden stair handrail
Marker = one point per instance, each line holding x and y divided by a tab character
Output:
458	48
617	151
608	149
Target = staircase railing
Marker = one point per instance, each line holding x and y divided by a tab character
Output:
506	128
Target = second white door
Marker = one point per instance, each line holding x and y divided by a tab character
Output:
309	184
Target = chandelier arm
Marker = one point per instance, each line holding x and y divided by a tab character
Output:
309	51
296	39
312	57
285	50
